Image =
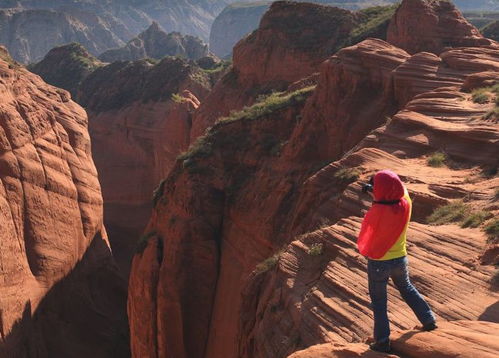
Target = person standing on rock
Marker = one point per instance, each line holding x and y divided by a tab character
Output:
382	240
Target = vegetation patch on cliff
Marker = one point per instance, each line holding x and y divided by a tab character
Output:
268	105
374	23
458	212
347	175
492	230
66	67
203	146
268	263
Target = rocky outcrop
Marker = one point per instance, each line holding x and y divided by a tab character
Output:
431	26
66	67
155	43
254	243
239	19
31	28
139	120
58	277
461	338
290	53
321	295
234	22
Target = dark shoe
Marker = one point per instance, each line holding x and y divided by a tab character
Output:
383	347
429	327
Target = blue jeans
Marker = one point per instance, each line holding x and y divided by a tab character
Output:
378	273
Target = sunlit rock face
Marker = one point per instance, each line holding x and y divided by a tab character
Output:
57	273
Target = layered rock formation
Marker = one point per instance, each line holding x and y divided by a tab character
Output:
239	19
155	43
459	338
295	38
140	121
61	293
250	250
439	26
31	28
66	67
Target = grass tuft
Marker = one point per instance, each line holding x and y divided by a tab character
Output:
347	175
158	193
481	95
460	213
437	159
492	230
316	249
178	98
201	148
268	263
450	213
269	104
476	218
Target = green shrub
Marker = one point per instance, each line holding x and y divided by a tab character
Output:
453	212
374	23
178	98
437	159
201	148
496	193
271	103
475	218
492	230
158	193
221	66
347	175
458	212
316	249
481	95
268	263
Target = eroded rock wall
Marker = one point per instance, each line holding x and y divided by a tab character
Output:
58	277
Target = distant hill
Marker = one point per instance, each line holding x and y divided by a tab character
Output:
156	43
239	19
31	28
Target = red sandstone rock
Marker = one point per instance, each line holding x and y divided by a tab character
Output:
138	131
57	274
353	96
253	185
432	26
464	339
292	41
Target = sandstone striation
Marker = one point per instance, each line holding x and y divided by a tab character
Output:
457	338
58	276
291	53
250	249
156	43
431	26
